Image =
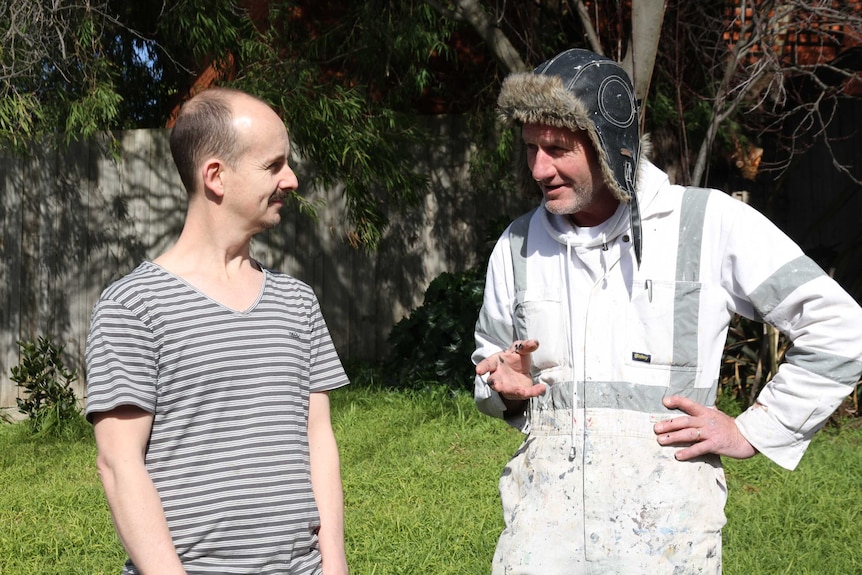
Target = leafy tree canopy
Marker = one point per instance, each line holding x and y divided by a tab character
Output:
349	77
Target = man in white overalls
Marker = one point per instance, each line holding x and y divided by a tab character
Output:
601	334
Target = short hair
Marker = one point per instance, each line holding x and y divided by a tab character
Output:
204	129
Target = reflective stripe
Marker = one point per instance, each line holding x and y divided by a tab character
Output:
617	395
502	331
774	289
518	244
636	397
841	369
686	309
690	237
499	331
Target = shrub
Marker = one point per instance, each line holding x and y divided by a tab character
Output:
752	354
49	403
432	346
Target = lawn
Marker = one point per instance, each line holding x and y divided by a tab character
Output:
420	478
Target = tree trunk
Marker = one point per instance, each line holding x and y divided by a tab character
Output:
647	18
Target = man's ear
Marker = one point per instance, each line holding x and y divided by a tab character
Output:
212	171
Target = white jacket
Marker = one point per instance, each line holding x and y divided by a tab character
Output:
616	338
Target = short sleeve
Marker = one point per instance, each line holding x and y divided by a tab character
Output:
121	361
325	369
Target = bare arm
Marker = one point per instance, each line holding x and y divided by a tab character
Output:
121	439
326	483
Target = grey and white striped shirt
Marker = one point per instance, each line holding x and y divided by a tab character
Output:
229	393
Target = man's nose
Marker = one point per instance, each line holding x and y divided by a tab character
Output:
289	180
543	167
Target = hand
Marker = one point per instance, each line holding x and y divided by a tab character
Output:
707	429
509	371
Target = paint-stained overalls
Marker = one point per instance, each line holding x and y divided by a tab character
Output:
590	491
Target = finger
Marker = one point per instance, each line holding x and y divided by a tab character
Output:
675	424
521	393
524	347
488	365
688	435
685	404
695	450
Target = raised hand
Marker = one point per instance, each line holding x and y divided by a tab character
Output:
508	372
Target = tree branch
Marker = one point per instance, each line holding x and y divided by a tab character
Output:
470	12
589	29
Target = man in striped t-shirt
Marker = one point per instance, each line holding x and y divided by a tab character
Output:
208	375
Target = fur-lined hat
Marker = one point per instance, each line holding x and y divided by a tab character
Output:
582	90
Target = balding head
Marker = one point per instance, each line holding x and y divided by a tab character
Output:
205	128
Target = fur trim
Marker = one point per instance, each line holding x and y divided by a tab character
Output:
528	98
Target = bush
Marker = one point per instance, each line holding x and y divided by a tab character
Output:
49	403
432	346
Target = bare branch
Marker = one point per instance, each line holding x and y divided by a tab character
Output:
775	45
471	12
589	30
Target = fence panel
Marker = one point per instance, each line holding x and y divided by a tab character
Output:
76	219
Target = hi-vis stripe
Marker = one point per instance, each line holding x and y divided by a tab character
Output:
772	292
689	246
625	394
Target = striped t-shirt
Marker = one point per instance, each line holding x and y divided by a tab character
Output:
229	393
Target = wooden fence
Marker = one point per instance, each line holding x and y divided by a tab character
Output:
74	220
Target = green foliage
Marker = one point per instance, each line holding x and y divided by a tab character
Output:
493	166
346	106
348	109
49	403
19	114
55	73
800	522
432	346
53	515
364	374
420	473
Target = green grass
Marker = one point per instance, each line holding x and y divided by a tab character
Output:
53	516
804	522
420	477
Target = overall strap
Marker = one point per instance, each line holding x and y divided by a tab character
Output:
518	244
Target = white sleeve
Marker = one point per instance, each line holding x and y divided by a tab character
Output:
495	330
791	292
